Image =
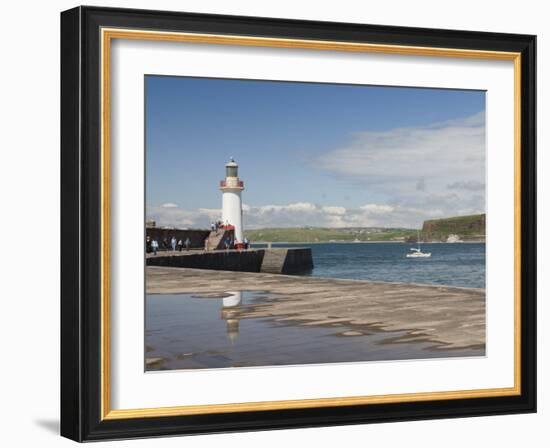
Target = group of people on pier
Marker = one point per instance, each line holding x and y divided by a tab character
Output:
152	244
155	244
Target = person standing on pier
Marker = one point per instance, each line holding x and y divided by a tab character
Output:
154	246
187	243
180	245
173	243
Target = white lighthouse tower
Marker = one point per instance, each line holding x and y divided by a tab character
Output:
231	187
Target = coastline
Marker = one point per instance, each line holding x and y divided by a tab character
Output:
365	242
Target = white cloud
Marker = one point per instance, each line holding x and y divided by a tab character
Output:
298	206
415	173
177	217
415	157
300	214
334	210
437	169
377	209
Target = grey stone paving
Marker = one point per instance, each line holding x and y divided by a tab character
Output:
450	317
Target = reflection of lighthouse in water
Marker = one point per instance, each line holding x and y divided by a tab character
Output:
231	187
229	313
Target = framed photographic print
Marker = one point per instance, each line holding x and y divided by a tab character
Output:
274	223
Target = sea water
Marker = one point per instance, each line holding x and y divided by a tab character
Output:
453	264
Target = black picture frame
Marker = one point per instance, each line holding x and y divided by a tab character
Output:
81	224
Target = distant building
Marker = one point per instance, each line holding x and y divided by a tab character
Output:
453	239
150	224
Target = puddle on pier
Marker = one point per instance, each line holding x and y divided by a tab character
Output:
204	331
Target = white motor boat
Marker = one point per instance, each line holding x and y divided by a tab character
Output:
417	253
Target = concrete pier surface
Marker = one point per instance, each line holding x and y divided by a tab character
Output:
448	317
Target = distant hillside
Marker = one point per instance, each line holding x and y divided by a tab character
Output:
324	235
467	228
470	227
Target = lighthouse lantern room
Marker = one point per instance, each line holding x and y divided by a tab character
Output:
231	188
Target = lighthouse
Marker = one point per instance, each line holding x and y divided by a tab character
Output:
231	187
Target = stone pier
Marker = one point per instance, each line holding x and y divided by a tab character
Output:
272	260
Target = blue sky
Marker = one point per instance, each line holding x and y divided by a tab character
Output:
313	154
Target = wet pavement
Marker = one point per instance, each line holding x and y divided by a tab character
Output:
219	330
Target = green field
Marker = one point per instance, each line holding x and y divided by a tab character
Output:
466	227
324	235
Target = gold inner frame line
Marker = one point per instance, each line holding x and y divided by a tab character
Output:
107	35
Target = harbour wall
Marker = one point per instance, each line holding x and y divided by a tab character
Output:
275	260
287	260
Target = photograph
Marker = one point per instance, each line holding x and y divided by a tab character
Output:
295	223
279	223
